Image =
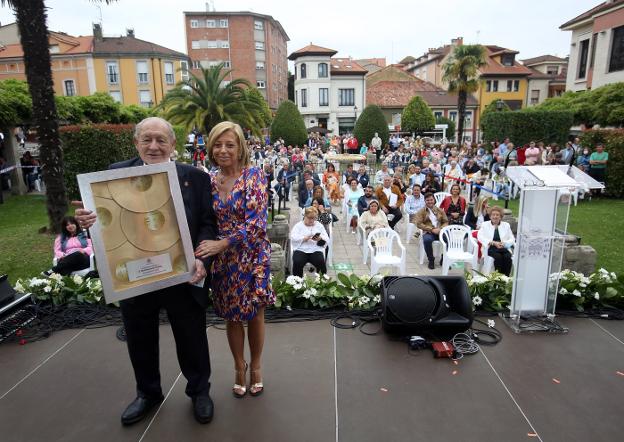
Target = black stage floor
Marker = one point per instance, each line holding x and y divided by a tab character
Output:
326	384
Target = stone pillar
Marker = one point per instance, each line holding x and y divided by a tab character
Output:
577	257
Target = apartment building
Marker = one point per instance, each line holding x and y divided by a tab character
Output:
547	79
252	45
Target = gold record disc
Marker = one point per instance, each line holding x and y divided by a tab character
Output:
152	231
178	260
109	216
101	190
141	194
117	260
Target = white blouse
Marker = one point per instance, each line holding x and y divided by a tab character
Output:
300	230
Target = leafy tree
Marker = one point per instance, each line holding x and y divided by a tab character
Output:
371	120
69	110
527	125
205	100
450	131
133	113
254	94
493	107
31	22
461	72
417	116
99	108
288	124
15	103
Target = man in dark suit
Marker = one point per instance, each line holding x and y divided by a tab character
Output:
185	303
305	193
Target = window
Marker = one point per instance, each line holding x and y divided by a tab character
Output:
194	24
258	25
491	86
260	46
322	70
535	94
224	44
116	95
227	64
54	49
194	44
582	63
196	64
593	50
616	60
468	120
323	96
494	85
210	44
184	70
112	71
304	70
145	99
346	97
141	67
453	116
169	77
259	65
223	23
70	88
552	69
210	24
304	98
260	84
509	85
437	114
507	59
516	85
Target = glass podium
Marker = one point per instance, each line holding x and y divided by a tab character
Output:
545	195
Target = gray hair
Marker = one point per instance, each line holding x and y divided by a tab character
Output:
139	127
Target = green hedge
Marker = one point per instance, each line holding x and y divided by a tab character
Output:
371	120
92	148
417	116
613	141
288	124
527	125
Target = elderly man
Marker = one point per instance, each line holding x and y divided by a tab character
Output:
430	219
391	199
305	194
376	145
185	304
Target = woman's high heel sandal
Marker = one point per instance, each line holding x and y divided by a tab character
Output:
238	390
256	389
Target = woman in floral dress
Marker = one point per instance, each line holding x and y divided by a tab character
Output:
240	285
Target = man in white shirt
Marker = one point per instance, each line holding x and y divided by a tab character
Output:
382	173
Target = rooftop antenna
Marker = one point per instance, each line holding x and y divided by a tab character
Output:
210	6
478	34
100	9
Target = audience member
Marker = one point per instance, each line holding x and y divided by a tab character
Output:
373	218
309	239
497	238
430	219
390	199
454	205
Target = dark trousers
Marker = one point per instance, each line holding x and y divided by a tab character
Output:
397	216
71	263
300	259
502	259
188	323
428	239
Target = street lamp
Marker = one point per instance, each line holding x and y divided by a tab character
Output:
500	104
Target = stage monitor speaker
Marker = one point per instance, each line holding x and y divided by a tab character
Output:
435	307
7	294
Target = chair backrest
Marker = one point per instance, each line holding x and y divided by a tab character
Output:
454	237
383	239
439	197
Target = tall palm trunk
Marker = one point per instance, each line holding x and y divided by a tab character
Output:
31	21
462	97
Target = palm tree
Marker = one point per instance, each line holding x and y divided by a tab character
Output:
202	101
461	72
31	22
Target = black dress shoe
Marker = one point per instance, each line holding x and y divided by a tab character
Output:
431	265
138	409
203	408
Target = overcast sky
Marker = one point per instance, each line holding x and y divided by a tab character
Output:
352	27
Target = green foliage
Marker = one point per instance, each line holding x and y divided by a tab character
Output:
69	110
288	124
613	141
15	103
61	290
132	113
450	132
461	70
493	107
204	101
417	116
604	105
99	108
253	94
527	125
371	120
180	134
92	148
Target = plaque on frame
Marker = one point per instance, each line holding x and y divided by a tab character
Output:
140	238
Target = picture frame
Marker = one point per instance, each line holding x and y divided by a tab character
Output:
141	237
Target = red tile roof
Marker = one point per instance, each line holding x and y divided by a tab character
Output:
346	66
80	45
494	68
312	50
132	46
396	94
595	10
542	59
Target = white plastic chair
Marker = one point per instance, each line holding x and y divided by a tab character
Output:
381	252
330	246
458	246
421	247
83	272
439	197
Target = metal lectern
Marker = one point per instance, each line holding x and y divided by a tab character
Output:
545	195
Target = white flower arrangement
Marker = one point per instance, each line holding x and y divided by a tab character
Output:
62	289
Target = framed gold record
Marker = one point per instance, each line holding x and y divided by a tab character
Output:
141	238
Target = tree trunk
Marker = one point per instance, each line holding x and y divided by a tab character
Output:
31	21
461	115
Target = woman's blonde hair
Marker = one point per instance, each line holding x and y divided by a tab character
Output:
220	129
310	211
478	208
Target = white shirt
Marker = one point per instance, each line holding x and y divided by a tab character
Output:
413	204
300	230
433	218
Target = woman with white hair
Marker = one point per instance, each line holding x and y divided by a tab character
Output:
452	170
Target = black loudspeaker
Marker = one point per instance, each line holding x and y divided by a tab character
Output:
7	294
437	307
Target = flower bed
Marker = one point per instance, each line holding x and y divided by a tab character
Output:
63	289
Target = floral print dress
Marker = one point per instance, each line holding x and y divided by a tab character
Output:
241	274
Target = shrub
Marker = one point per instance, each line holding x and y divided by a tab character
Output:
371	120
15	103
92	148
288	124
417	116
613	141
180	134
526	125
99	108
450	131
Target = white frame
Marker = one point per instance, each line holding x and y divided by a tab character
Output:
85	181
